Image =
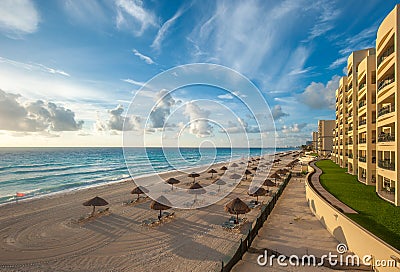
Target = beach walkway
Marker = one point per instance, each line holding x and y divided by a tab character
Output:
291	229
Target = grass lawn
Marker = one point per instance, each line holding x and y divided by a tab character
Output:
376	215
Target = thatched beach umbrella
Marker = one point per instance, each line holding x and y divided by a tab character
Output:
259	192
212	171
247	172
196	189
139	190
268	182
194	175
254	168
235	176
96	201
172	181
275	176
223	168
160	204
234	165
241	162
237	206
219	182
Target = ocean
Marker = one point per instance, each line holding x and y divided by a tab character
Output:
40	171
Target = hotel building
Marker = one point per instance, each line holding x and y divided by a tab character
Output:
387	106
368	114
315	141
325	137
353	104
341	126
366	119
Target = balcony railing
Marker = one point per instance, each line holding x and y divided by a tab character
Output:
385	54
362	141
362	159
385	110
361	86
386	137
385	82
361	104
386	164
362	122
350	156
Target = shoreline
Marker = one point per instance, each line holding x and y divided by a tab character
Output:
45	233
123	180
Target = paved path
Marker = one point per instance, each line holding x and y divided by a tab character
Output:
290	229
325	194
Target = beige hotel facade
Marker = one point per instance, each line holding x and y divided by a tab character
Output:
367	121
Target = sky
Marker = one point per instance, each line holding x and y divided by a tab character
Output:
69	70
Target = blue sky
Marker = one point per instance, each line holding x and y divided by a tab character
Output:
69	69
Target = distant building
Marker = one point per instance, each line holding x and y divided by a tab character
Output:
315	140
325	137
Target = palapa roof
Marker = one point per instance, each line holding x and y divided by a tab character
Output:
259	192
219	182
196	188
193	175
223	168
139	190
268	182
212	171
237	206
172	181
161	203
235	176
96	201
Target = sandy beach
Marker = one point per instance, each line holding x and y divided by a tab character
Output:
43	234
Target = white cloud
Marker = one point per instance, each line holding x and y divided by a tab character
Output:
88	12
295	128
325	21
34	66
145	58
162	32
134	82
277	112
241	126
199	118
118	122
18	17
133	16
225	96
320	96
162	109
338	62
35	116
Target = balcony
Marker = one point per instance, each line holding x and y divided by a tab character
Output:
362	159
386	164
385	110
385	54
350	156
386	137
384	83
362	141
362	122
361	104
361	86
350	128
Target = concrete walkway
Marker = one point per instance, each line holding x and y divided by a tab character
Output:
325	194
290	229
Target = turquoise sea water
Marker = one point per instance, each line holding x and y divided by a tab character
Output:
40	171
